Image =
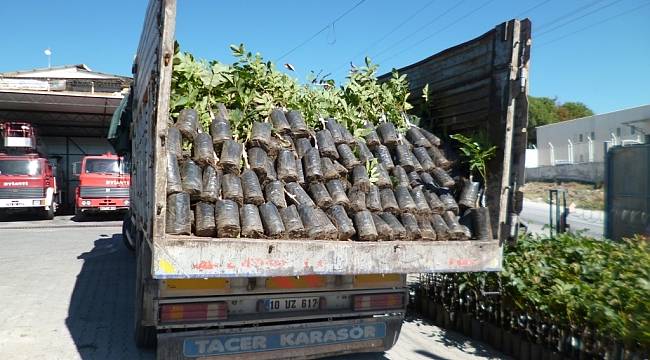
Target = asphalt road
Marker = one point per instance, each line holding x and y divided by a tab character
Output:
67	293
536	215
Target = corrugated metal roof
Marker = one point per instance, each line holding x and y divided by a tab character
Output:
78	71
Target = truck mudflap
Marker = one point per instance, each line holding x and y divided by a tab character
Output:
295	341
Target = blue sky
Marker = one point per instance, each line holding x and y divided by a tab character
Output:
606	65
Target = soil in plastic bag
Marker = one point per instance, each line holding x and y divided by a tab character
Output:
365	154
384	231
404	158
298	195
337	192
372	139
417	167
407	143
433	140
442	178
311	166
383	179
329	171
373	200
274	192
326	144
388	201
297	122
271	220
404	199
261	135
188	123
427	179
317	224
383	154
424	159
347	157
257	159
400	177
414	179
302	146
220	131
469	194
387	133
177	215
231	188
455	231
251	188
174	142
421	205
335	130
360	180
251	222
320	195
438	157
366	230
174	182
222	112
435	204
448	200
417	138
482	229
343	172
204	223
440	226
343	223
191	176
292	223
349	138
426	229
227	219
411	225
211	189
399	232
357	200
203	149
467	233
230	159
300	171
286	166
280	122
271	175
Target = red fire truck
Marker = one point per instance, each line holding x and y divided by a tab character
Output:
27	180
103	184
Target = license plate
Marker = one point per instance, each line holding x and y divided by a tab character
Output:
292	304
107	208
16	203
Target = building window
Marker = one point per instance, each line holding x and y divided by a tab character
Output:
632	130
618	131
593	136
580	138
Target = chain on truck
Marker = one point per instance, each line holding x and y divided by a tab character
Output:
231	297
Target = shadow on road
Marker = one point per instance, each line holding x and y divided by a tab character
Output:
100	316
22	216
97	217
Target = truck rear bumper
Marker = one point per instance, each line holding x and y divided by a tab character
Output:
294	341
22	203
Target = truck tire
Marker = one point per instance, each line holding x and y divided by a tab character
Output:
127	233
145	336
49	214
78	215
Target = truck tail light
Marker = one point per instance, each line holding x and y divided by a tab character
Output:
193	312
378	301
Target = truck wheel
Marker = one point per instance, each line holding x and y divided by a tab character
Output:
78	215
145	336
49	214
127	233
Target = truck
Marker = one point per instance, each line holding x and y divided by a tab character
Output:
27	179
103	184
274	298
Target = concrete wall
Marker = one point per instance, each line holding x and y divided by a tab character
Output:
585	172
615	127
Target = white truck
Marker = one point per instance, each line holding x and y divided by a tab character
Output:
230	298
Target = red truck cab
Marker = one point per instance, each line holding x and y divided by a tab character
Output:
104	182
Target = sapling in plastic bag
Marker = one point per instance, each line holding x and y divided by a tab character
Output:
435	204
300	171
220	131
399	232
329	171
326	144
404	199
261	135
335	130
204	220
297	122
257	159
411	225
211	189
188	123
174	142
311	166
302	146
438	157
251	188
343	223
343	172
373	201
317	225
366	230
231	156
399	176
427	179
191	176
280	122
177	215
448	200
383	155
320	195
203	149
434	140
383	179
346	156
387	133
414	179
384	231
417	138
286	166
469	194
372	139
360	180
404	158
337	192
174	182
482	229
251	222
442	178
357	200
416	163
441	228
231	188
424	159
292	223
426	229
298	195
388	201
274	192
421	205
349	138
271	175
271	220
455	231
227	219
365	154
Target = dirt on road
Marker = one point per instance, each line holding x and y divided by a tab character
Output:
583	196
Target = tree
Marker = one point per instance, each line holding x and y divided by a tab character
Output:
545	110
573	110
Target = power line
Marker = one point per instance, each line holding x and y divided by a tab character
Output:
569	14
443	29
532	8
592	25
391	32
331	23
578	18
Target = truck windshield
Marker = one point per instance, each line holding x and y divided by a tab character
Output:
106	166
20	167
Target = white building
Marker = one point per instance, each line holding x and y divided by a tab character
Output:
585	139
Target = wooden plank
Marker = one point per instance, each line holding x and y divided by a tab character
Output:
196	257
